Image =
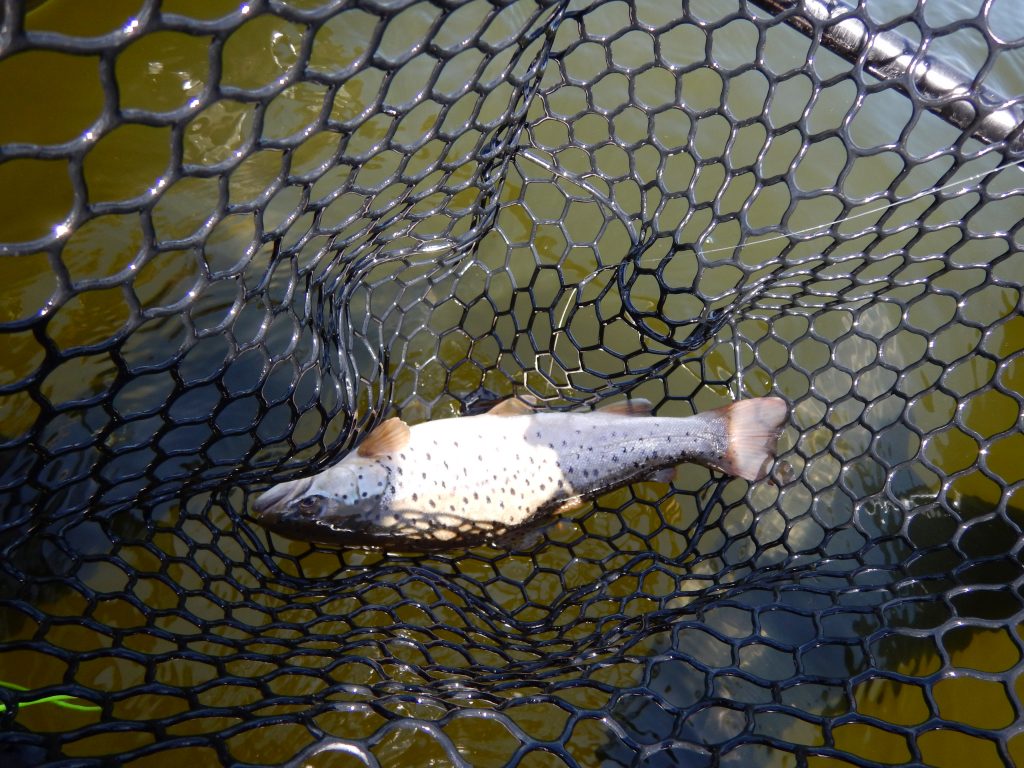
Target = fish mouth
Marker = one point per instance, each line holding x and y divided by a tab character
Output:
280	494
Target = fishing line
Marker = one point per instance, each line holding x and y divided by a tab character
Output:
635	238
602	198
63	700
880	209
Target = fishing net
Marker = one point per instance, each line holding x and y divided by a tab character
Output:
237	236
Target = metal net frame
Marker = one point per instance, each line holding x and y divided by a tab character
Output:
238	236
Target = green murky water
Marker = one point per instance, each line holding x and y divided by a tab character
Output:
944	355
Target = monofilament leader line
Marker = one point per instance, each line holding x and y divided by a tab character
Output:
603	199
822	228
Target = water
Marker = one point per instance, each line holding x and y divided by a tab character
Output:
500	323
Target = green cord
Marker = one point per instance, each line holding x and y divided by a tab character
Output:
60	700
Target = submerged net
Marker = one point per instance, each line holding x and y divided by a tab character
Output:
235	237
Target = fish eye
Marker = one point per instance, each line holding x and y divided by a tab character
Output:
309	503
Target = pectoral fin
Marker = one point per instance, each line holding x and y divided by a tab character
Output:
388	437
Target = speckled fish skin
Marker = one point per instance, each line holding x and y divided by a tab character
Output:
460	482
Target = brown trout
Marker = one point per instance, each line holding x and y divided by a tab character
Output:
463	481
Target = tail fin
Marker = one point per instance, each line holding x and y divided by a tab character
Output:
752	428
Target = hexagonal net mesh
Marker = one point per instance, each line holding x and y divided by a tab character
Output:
235	237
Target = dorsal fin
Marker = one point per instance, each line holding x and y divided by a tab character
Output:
635	407
514	406
387	437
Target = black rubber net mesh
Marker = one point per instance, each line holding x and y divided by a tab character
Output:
235	237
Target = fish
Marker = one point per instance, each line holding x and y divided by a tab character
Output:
470	480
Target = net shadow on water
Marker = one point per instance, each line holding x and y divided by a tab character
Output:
255	231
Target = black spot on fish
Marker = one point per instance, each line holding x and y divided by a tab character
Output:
476	495
424	475
543	487
428	457
415	497
451	507
432	503
487	499
465	499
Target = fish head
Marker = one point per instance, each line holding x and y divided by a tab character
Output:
333	507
